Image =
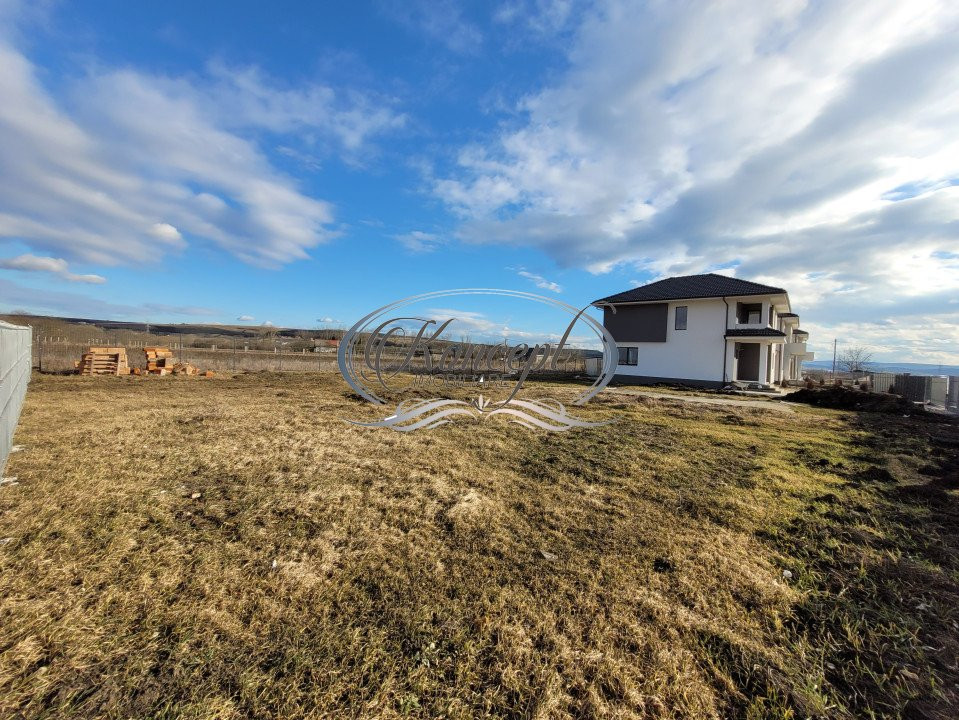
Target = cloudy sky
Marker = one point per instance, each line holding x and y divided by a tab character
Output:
302	164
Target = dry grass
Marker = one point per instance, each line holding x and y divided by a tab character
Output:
231	548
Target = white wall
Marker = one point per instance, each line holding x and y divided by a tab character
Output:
695	353
15	364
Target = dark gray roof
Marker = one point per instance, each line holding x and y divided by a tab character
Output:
788	315
692	286
755	332
797	331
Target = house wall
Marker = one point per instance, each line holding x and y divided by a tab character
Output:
695	353
637	323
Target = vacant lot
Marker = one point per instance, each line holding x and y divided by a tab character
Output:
228	548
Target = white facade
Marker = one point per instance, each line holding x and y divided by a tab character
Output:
696	352
719	346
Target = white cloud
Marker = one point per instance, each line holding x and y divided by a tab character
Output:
910	338
54	266
267	323
244	97
440	20
123	165
812	144
246	318
327	320
164	232
419	242
540	281
541	17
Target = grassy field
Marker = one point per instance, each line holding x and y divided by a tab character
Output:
231	548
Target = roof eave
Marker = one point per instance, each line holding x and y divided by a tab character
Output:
611	301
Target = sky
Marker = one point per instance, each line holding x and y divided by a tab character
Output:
301	164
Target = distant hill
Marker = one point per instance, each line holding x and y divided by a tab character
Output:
49	323
913	368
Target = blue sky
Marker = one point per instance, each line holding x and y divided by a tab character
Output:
304	163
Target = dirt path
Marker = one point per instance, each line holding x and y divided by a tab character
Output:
760	404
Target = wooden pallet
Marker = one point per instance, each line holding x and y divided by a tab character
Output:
104	361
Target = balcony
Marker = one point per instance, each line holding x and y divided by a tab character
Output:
795	348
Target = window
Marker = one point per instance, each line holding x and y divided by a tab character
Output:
681	317
628	356
749	313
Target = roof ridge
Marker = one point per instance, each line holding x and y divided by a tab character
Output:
702	285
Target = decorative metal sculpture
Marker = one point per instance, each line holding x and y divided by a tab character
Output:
366	365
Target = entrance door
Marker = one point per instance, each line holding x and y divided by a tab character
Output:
747	362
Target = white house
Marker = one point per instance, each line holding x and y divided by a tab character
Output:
705	330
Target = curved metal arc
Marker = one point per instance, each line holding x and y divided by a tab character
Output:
427	414
394	422
417	410
346	349
544	410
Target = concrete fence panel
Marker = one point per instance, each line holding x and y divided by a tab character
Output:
882	381
15	342
914	387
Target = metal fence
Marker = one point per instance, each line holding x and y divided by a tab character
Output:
15	342
58	354
54	354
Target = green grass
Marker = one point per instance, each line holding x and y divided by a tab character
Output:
232	548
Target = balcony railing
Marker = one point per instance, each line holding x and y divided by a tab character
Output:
749	326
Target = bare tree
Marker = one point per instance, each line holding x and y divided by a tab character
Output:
855	359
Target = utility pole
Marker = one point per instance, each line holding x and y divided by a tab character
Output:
834	357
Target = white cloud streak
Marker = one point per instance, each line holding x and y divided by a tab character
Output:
439	20
418	241
51	265
540	282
